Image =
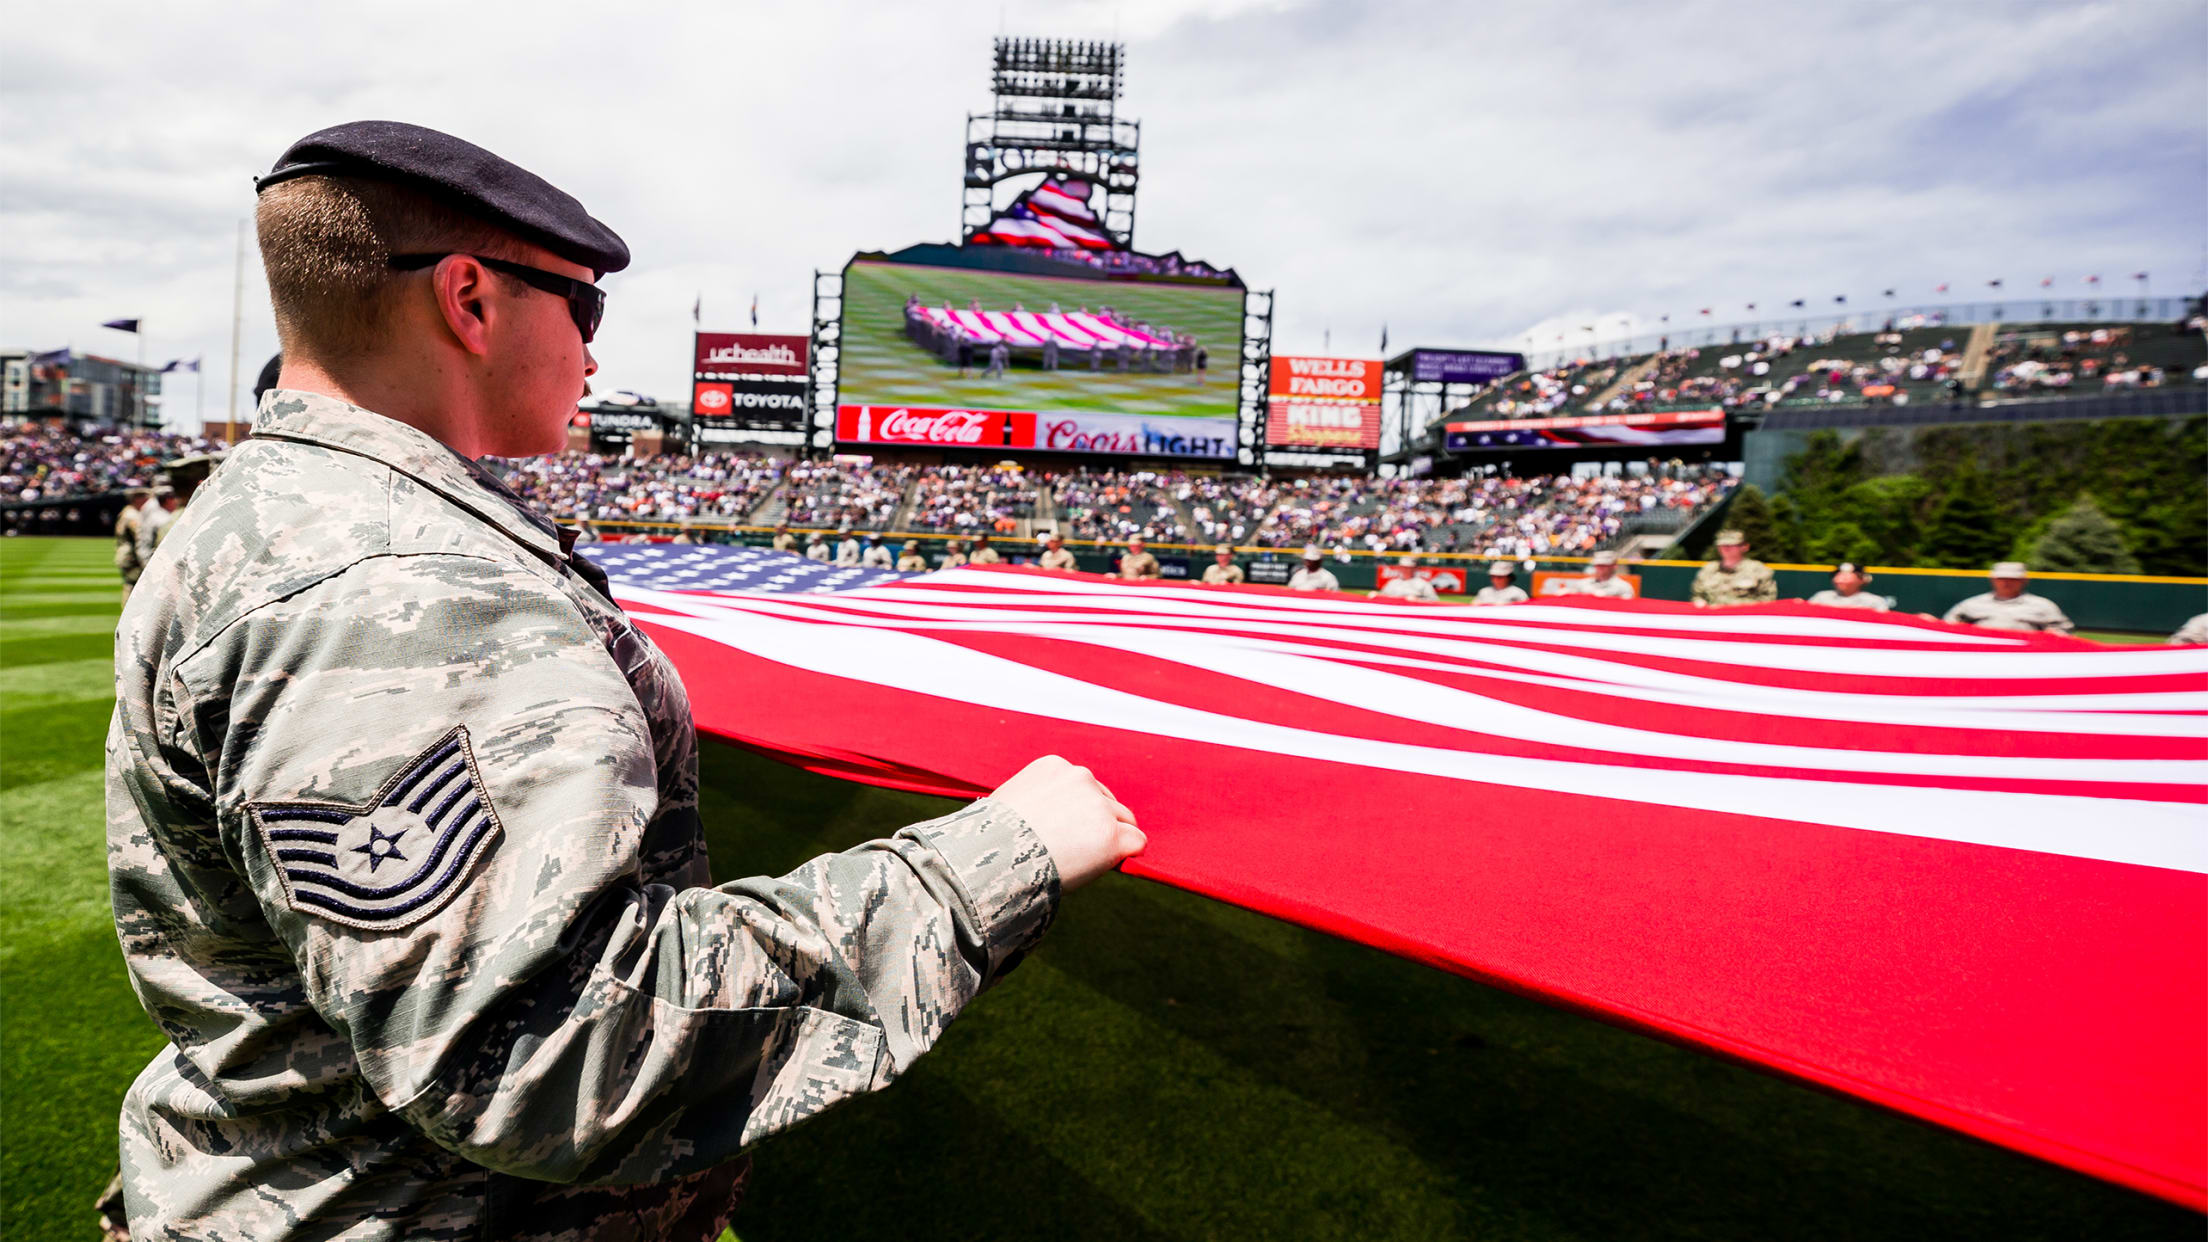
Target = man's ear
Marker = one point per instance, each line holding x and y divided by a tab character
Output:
462	287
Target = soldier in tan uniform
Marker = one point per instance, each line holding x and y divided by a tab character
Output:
403	834
954	555
909	559
127	525
784	541
1409	586
1313	575
1602	580
1055	556
2193	631
1222	571
1501	588
1848	581
1734	578
983	554
1138	563
2009	606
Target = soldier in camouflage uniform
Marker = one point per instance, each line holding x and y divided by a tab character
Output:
1734	578
359	651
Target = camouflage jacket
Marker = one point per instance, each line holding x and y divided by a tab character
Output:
406	864
1751	582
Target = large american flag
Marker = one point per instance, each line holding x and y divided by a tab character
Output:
1960	873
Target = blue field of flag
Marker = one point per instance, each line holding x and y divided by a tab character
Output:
716	567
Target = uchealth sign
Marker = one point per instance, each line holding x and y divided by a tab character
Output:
1323	403
750	353
1117	434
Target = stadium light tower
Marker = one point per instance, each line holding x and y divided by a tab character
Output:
1055	112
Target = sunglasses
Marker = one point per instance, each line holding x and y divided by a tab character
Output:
586	302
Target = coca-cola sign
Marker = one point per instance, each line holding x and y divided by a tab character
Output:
750	353
947	428
1122	435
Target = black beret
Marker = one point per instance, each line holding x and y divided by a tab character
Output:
469	177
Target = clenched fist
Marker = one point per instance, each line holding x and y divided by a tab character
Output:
1085	828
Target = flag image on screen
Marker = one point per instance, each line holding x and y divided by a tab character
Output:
1119	349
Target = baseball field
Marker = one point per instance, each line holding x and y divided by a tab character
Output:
881	366
1164	1067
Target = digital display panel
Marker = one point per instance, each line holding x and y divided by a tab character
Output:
948	356
1463	366
1658	429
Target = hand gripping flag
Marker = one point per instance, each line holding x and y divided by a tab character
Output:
1956	872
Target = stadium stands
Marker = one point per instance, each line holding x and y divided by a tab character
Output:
718	486
863	497
44	461
972	500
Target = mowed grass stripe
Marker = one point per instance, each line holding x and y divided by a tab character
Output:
1164	1067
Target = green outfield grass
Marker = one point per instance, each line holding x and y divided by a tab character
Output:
1164	1067
881	366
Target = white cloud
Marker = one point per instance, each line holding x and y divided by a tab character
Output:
1464	174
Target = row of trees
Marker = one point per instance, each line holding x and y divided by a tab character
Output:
2111	496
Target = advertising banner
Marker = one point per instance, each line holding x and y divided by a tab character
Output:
1653	429
1322	424
1323	403
750	353
616	426
1551	582
1128	434
770	403
1463	366
1447	579
1326	379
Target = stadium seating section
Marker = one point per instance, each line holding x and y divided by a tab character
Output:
1896	366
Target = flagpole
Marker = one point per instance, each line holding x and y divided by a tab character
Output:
237	323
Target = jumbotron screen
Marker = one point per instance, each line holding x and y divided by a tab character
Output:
953	357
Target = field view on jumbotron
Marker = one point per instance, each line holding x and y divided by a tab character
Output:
1551	649
939	355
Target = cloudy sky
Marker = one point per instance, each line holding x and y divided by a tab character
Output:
1463	173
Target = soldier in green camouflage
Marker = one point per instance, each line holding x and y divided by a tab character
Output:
403	834
1734	577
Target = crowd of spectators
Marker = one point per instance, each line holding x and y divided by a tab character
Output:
1489	515
1118	505
49	461
2054	361
1494	515
969	500
862	495
594	486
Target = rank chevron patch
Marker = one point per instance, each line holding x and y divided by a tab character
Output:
393	862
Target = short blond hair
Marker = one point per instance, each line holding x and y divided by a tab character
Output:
326	244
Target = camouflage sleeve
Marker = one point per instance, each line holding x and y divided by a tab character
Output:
440	783
1701	592
1767	587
